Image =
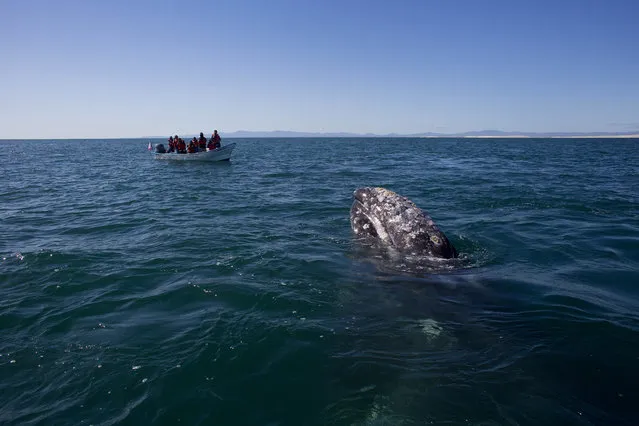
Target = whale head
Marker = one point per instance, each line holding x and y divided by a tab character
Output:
394	220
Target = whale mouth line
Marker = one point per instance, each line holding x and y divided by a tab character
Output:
371	218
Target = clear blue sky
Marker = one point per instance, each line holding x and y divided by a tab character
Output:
89	68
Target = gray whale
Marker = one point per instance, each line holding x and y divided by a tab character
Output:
385	216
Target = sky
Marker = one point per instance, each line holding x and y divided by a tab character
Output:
136	68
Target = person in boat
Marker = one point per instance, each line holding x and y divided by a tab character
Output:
181	146
211	145
202	142
171	144
176	143
215	141
191	148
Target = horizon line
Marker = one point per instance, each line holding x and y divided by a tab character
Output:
480	134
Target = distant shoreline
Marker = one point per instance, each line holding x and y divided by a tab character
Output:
552	137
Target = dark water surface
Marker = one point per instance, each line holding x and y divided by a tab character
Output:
137	291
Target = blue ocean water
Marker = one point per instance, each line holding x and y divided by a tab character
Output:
137	291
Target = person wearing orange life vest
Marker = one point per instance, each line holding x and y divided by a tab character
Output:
201	142
181	146
215	141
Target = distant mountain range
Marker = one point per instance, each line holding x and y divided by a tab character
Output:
473	134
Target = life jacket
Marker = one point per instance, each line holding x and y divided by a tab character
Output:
216	140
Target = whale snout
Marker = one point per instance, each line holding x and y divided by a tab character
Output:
383	215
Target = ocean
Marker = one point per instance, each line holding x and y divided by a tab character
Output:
146	292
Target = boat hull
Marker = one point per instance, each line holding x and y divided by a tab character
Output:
220	154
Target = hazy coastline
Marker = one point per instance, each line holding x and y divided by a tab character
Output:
242	134
633	136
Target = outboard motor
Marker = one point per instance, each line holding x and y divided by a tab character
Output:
159	148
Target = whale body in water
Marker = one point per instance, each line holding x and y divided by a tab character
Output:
385	216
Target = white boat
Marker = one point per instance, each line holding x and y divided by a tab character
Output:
220	154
